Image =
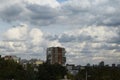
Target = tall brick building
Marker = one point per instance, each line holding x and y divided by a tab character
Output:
56	55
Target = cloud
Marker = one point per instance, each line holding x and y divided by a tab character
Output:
82	12
29	11
92	12
89	44
95	25
17	33
92	44
50	3
55	44
22	40
92	33
42	15
36	36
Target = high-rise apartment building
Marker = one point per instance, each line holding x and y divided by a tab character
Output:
56	55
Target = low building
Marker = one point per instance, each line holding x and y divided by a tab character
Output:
16	59
118	65
7	58
113	65
102	64
12	57
72	69
35	62
38	62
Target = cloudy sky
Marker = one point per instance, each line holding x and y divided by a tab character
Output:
89	30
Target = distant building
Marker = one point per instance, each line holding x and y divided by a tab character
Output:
11	57
118	65
72	69
88	65
70	66
101	64
113	65
8	58
38	62
56	55
23	61
35	62
16	59
107	65
32	61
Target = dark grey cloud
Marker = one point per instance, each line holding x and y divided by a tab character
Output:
96	34
82	13
97	21
95	43
29	13
51	37
67	38
11	13
42	15
92	12
42	12
105	46
72	38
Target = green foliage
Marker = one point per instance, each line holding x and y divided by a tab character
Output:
100	73
70	76
30	73
11	70
51	72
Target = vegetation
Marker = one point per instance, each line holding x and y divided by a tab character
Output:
51	72
99	73
10	70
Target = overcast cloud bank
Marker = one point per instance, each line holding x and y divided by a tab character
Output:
93	35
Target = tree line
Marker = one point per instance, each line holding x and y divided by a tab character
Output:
10	70
98	73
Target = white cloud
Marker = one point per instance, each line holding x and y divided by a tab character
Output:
95	33
97	21
89	44
46	12
92	44
51	3
36	36
25	41
55	43
17	33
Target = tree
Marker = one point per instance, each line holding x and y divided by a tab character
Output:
11	70
51	72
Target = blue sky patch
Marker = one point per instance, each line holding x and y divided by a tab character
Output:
61	1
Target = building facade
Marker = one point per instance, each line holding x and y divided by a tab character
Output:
72	69
12	57
56	55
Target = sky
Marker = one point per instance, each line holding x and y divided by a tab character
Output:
89	30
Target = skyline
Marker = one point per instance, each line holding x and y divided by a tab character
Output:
89	30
